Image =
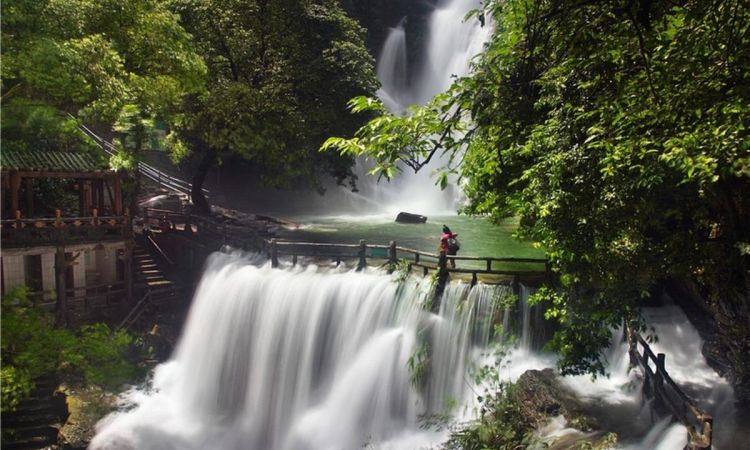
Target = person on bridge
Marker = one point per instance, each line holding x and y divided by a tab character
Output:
449	244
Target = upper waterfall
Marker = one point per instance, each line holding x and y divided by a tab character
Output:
449	45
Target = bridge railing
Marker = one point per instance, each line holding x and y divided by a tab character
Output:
393	253
659	384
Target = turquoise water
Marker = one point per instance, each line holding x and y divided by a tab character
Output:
477	235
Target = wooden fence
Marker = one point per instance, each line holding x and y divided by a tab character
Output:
235	235
392	253
21	232
658	384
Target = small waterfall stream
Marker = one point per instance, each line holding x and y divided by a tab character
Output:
319	359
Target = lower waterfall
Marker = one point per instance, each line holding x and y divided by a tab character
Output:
329	359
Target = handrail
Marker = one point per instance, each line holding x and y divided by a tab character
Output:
57	220
658	377
149	171
159	249
407	250
339	251
135	312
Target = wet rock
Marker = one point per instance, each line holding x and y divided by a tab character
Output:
543	396
405	217
87	405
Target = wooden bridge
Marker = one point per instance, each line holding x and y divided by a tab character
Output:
390	255
658	384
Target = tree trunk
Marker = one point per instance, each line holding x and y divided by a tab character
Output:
200	204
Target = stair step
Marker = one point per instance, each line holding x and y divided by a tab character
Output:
159	283
36	405
26	419
24	433
151	272
36	443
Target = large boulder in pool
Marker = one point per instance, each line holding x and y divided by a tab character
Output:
405	217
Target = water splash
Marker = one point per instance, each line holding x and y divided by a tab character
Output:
303	359
318	359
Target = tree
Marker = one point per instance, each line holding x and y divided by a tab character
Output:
280	73
32	347
99	62
618	132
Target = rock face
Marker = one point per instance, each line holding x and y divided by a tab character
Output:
405	217
542	396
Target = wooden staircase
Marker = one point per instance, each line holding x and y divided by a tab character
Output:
36	422
147	271
159	290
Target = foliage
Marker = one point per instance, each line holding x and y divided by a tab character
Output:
89	59
31	347
618	132
501	424
418	363
280	73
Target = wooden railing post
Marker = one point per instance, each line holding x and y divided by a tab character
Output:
632	345
489	264
659	372
362	255
443	262
274	254
392	252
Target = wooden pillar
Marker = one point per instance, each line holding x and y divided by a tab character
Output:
658	373
441	281
473	279
362	255
274	254
29	197
100	194
128	265
86	197
15	185
392	258
118	194
61	269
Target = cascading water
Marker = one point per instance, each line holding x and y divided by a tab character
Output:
305	359
314	359
450	45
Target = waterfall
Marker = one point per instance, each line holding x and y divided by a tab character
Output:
449	46
392	69
317	359
307	359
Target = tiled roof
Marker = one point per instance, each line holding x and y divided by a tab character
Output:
49	161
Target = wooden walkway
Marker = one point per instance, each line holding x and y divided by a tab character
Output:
366	254
658	384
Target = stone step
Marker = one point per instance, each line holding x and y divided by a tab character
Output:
21	434
37	405
36	443
28	419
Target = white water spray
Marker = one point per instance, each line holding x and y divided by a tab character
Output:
305	359
450	45
313	359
